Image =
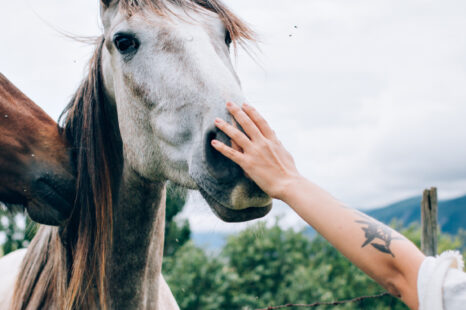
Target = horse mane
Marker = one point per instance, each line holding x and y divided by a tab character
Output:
91	126
64	267
81	247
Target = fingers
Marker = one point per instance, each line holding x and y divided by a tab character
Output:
235	146
246	123
234	133
260	122
228	152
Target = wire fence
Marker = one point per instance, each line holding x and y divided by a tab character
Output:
327	303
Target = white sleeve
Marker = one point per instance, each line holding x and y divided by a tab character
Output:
441	283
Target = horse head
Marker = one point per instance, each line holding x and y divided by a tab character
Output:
167	70
35	169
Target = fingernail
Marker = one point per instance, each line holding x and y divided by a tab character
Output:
229	104
218	121
245	105
214	142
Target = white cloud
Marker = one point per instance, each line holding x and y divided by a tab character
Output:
41	61
368	95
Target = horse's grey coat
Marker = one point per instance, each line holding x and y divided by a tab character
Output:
166	98
136	262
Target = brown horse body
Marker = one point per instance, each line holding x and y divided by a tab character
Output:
35	169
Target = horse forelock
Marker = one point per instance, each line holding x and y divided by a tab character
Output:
238	30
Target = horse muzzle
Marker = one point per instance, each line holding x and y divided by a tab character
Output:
52	198
222	183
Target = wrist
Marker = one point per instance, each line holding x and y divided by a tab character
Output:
289	186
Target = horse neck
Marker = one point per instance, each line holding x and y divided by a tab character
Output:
136	262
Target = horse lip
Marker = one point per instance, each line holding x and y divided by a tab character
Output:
52	216
55	198
234	216
62	186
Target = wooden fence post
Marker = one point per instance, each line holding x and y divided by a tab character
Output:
429	218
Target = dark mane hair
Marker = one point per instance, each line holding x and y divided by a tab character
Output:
91	127
65	268
78	253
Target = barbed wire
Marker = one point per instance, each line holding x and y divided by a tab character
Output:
327	303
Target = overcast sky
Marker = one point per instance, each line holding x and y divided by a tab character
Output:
369	95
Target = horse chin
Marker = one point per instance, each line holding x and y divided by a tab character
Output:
234	216
42	213
232	198
52	201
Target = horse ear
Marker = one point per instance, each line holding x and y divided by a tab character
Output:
106	3
108	9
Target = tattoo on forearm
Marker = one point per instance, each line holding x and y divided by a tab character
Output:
377	235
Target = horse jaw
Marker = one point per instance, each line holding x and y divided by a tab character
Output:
167	95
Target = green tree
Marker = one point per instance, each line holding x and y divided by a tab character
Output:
176	234
262	259
195	279
266	266
329	276
16	229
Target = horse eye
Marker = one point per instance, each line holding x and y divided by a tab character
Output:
228	39
126	43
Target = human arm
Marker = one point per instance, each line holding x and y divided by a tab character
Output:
382	253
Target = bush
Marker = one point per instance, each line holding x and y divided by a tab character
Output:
263	267
16	230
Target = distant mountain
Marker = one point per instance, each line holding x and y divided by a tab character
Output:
452	213
211	241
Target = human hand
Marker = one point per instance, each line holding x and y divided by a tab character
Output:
258	152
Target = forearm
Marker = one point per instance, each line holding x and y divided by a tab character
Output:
379	251
382	253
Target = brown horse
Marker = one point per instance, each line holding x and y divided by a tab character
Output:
35	168
160	74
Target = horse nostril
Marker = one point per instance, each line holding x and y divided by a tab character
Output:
220	167
211	136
